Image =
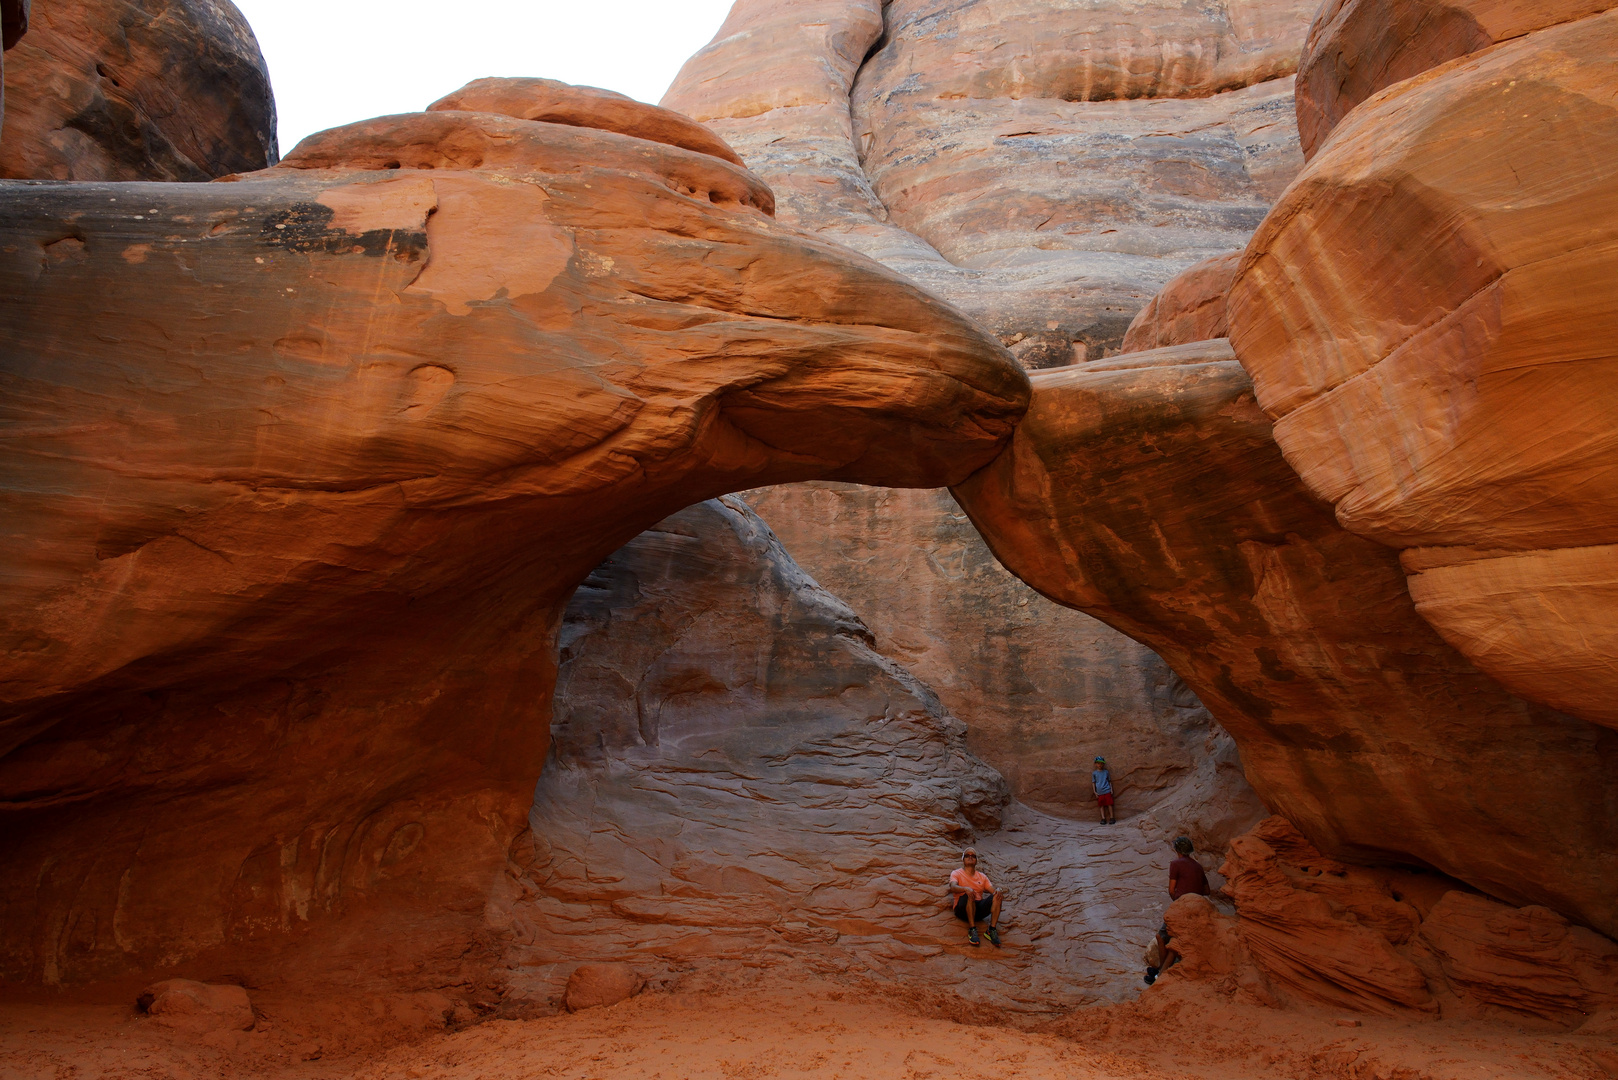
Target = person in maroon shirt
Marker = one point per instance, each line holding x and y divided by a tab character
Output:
1185	873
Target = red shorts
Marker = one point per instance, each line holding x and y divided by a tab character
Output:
1104	800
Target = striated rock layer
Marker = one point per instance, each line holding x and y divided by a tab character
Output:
136	90
1045	169
1433	333
1148	491
302	469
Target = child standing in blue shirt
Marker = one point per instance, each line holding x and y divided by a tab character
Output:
1101	784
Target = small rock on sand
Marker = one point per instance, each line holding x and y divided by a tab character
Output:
196	1006
601	984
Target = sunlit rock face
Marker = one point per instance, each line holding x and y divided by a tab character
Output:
136	90
1433	334
738	773
1149	491
1358	47
304	468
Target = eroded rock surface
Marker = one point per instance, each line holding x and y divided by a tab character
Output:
1434	336
135	90
584	106
1190	308
737	773
1148	490
1311	930
303	469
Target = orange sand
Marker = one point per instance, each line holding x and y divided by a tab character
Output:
740	1025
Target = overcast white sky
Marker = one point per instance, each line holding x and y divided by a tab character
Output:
336	61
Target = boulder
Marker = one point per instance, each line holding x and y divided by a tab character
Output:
1311	930
315	459
1148	491
594	985
1359	47
136	90
197	1007
552	102
1433	334
1190	308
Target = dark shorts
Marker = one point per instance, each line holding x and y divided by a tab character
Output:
1104	800
985	907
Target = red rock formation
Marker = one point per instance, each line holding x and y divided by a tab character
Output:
1190	308
136	90
13	25
1148	491
1312	930
1433	332
585	106
308	467
1358	47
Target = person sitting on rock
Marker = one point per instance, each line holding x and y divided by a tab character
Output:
976	899
1159	954
1101	784
1185	873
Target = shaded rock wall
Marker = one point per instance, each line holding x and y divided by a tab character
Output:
304	469
1042	689
1148	490
737	773
136	90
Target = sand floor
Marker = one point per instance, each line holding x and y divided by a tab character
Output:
740	1025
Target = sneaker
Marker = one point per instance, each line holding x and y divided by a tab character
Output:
994	937
972	935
